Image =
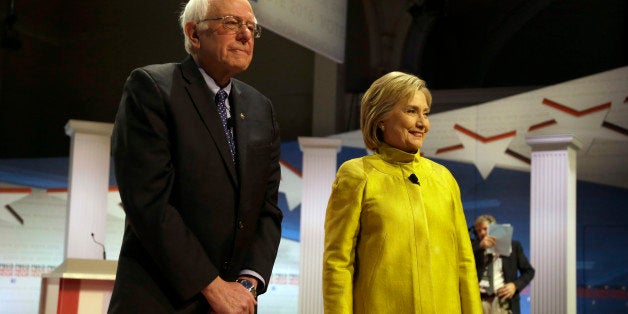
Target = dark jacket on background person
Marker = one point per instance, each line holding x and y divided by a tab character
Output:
517	261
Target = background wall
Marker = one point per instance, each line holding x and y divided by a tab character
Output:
74	59
69	60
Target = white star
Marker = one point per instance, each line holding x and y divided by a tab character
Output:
291	184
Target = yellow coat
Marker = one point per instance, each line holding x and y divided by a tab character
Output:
393	246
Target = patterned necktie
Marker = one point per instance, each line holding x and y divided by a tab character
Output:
221	106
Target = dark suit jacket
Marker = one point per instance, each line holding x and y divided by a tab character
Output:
192	215
517	261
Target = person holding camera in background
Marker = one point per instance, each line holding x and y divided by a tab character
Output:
500	284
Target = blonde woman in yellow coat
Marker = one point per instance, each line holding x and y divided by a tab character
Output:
396	239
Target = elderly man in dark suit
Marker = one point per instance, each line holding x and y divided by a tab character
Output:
196	157
500	284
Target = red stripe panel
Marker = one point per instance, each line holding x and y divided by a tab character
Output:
57	190
291	168
610	293
542	125
615	128
69	290
64	190
15	190
482	138
449	148
516	155
574	112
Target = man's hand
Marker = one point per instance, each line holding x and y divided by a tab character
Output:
229	297
487	242
507	291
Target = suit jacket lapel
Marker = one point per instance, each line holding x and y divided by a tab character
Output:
203	100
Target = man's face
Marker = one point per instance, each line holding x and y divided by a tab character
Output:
481	229
222	52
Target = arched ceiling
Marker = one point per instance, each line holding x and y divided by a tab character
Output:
74	57
485	43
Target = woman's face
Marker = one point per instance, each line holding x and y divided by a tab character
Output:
405	126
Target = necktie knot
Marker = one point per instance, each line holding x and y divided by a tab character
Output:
221	96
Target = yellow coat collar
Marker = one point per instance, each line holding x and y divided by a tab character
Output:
396	156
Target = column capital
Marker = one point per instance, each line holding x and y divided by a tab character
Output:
553	142
89	127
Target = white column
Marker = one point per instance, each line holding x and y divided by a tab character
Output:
88	185
553	223
319	172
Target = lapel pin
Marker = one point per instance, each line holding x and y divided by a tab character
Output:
242	116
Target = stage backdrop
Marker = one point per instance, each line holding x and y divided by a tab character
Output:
317	25
483	147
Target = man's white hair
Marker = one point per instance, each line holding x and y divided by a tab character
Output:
194	10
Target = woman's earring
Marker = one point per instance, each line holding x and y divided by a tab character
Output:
381	126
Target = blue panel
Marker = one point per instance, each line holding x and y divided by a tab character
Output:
602	218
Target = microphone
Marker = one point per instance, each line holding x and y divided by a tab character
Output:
414	179
104	253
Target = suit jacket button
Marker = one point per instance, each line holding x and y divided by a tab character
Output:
240	224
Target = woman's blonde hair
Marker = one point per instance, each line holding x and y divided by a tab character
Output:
381	97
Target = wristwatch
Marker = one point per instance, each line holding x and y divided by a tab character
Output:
248	285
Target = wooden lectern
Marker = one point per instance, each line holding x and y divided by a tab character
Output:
78	286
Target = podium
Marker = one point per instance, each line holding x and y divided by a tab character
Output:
78	286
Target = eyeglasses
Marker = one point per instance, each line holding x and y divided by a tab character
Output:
234	23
